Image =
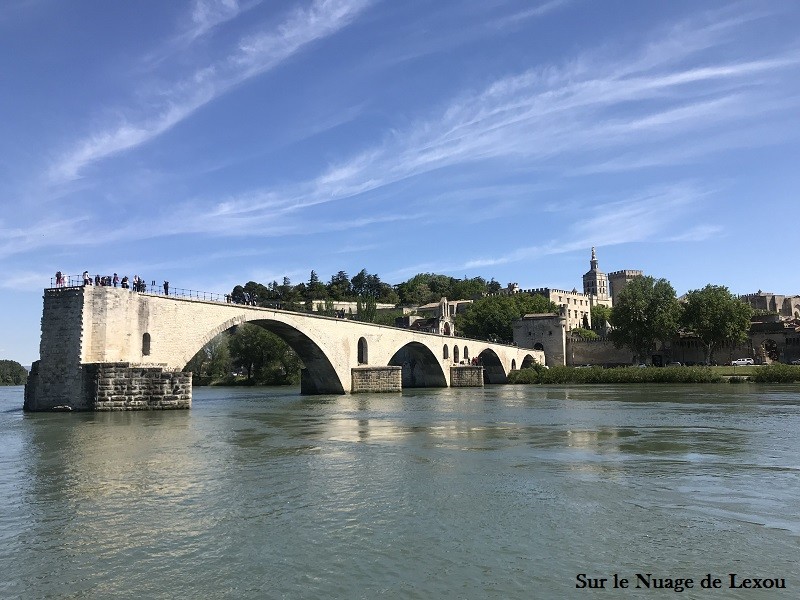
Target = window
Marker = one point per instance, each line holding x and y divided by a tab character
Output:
362	351
146	344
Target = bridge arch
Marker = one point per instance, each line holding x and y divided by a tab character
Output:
319	375
493	370
527	362
420	367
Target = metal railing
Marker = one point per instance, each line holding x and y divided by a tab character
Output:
147	288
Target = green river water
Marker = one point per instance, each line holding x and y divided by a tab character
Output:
499	492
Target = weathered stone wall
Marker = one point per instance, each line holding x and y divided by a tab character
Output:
120	386
545	332
596	352
466	376
377	379
56	378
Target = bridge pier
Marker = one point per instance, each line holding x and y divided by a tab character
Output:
466	376
377	379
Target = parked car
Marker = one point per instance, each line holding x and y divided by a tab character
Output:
674	364
742	362
796	361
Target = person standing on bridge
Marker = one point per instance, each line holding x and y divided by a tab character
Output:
166	288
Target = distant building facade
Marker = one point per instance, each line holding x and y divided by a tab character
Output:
785	306
437	317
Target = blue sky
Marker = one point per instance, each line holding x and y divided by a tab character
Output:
213	142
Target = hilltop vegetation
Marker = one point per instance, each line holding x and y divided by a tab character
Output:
12	373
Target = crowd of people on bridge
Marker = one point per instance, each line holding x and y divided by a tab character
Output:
137	284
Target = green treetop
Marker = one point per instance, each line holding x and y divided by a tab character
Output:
716	316
644	313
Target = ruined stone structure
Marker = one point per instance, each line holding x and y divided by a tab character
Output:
106	348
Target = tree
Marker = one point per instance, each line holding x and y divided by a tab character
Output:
12	373
249	347
645	313
339	286
358	284
716	316
366	309
491	317
601	316
315	290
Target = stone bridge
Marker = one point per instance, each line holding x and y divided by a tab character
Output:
106	348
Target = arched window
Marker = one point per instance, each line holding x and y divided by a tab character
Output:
146	344
538	346
455	354
466	353
362	351
513	364
446	352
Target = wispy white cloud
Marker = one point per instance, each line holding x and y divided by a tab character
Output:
531	13
581	114
208	14
254	55
653	214
670	100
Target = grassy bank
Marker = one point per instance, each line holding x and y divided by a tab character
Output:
556	375
619	375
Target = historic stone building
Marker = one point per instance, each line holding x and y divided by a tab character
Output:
437	317
546	332
595	282
785	306
573	306
617	280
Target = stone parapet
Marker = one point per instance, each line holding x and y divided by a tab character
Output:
376	379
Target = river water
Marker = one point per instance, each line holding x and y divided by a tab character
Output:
500	492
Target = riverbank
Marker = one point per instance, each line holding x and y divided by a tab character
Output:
560	375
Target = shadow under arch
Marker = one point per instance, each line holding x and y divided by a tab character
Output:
493	371
420	367
319	375
528	362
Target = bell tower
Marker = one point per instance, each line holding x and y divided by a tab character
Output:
595	282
